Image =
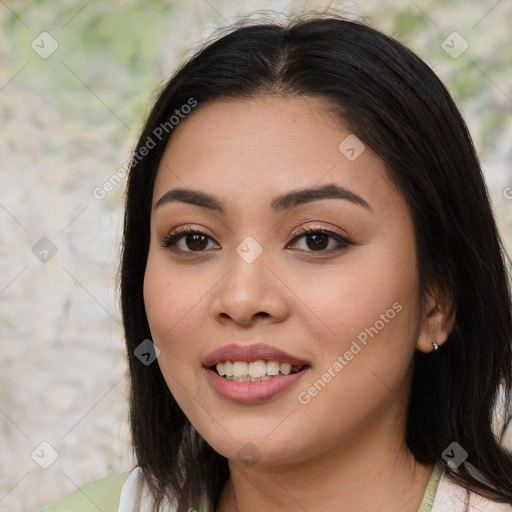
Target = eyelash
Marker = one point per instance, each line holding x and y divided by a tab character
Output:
169	241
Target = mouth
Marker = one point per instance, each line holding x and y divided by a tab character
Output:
255	371
252	382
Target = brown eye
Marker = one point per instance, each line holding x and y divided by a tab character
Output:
193	240
317	240
196	242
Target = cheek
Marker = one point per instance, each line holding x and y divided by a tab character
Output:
169	300
172	308
363	367
372	309
373	290
168	295
157	295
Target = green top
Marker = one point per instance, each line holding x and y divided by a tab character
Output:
104	495
99	495
430	491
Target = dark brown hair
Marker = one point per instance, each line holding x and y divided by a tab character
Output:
397	106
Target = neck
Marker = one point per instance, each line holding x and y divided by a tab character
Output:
350	476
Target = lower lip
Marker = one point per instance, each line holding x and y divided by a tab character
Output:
251	392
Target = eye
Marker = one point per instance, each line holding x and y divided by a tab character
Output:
317	239
194	240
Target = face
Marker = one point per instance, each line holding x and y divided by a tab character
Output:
328	277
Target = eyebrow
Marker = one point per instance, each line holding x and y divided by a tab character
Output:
280	203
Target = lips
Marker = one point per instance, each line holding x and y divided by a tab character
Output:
250	392
248	353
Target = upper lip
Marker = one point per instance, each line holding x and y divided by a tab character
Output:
234	352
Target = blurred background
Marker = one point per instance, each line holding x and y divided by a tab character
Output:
77	79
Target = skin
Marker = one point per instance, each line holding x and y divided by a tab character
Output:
345	449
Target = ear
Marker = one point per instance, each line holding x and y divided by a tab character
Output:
438	317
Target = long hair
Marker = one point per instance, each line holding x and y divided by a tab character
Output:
398	107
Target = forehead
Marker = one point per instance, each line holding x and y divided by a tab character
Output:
250	150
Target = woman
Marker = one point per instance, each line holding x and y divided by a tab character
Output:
311	249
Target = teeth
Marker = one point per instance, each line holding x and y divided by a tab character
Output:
240	369
251	379
255	370
285	368
272	368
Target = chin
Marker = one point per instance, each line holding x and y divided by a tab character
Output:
257	449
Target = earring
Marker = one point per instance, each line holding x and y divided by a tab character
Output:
436	346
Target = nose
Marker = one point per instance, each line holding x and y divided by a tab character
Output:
251	291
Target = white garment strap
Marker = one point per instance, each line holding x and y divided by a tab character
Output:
135	494
451	497
131	492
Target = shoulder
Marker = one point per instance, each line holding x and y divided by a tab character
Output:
452	497
101	495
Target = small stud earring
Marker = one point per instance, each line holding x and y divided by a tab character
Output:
436	346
